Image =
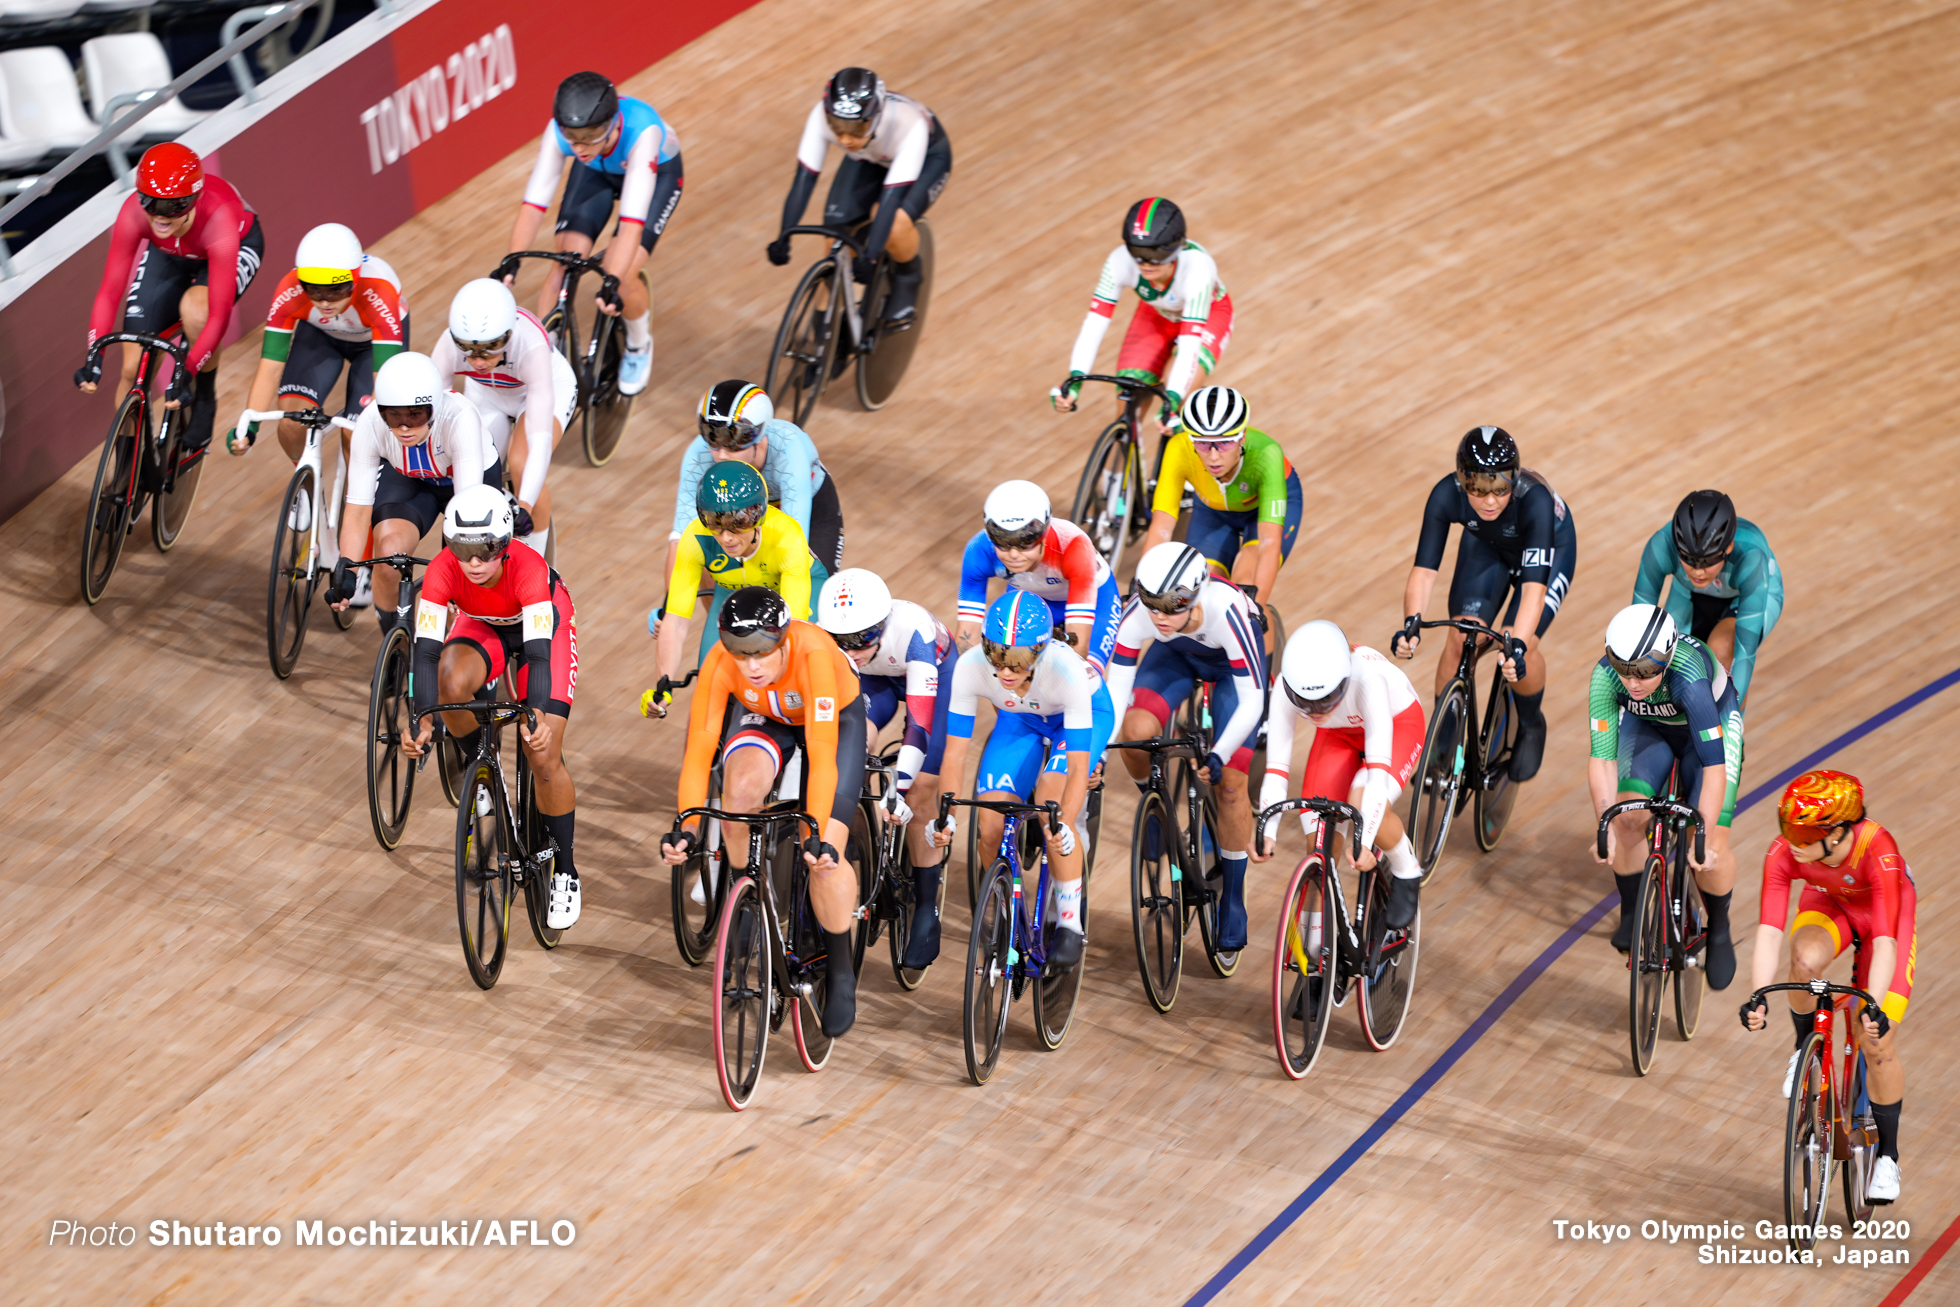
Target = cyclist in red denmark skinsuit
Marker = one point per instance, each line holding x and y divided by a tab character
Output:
192	222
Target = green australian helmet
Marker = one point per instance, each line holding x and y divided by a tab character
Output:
732	497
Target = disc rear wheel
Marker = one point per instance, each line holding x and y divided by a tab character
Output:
537	878
881	367
606	409
1057	991
1391	978
1690	971
182	473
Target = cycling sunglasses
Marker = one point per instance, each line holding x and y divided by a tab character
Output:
483	547
1316	707
733	519
1170	602
481	349
1800	835
586	135
1704	560
323	292
723	434
1488	483
758	643
1639	669
409	417
1026	537
1015	657
1218	445
868	638
855	128
1152	258
159	206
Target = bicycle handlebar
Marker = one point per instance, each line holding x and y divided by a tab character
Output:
1467	627
1823	989
839	234
1187	745
659	708
310	418
1669	806
486	713
1124	384
608	284
403	563
1329	810
178	349
809	846
1051	809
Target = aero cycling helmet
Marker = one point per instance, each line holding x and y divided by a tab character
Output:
482	315
584	100
478	522
1487	460
1153	230
1640	641
853	100
1216	413
1018	628
1818	802
1169	577
854	606
1704	528
753	621
732	413
732	496
329	258
1016	515
1315	667
169	172
407	380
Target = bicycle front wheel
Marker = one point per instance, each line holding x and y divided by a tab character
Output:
1432	799
984	1014
1390	980
1807	1147
112	505
1303	995
1689	953
483	875
1156	901
1106	495
606	409
289	592
742	981
181	473
390	776
1647	965
806	342
1495	743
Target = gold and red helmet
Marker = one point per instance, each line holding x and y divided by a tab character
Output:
1817	802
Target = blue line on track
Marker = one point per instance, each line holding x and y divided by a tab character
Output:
1502	1003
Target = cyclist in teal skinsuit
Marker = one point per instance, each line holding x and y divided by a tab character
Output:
1727	591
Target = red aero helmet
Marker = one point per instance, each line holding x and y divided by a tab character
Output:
170	172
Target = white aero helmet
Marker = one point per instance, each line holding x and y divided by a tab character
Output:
854	606
329	255
407	380
1640	640
1169	577
483	314
478	522
1216	413
1315	667
1016	515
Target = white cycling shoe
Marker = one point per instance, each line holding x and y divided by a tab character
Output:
1790	1073
1883	1187
563	911
300	516
635	366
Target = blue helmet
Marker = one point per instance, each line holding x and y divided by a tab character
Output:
1017	621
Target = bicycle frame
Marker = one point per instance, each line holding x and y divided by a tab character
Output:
316	421
762	827
842	238
1351	956
576	266
1192	745
1025	942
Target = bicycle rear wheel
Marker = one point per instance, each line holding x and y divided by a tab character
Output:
806	342
1057	992
742	981
449	763
983	1022
1689	954
1495	743
606	409
1156	901
808	958
1303	1000
1647	965
1861	1142
483	876
1432	799
1107	494
882	367
390	776
289	591
537	882
1390	980
1224	964
862	849
112	504
181	474
1807	1147
904	896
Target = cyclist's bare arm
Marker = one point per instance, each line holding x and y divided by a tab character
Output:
1266	572
1415	598
1161	526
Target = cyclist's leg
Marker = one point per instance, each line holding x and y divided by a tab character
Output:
1065	868
313	364
827	525
1647	755
1885	1074
1529	690
1008	766
405	508
928	863
1146	351
564	394
1376	789
556	793
903	243
711	623
1164	680
194	312
1477	590
1216	534
1333	761
582	214
751	758
155	291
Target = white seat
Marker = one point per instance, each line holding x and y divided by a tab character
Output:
36	11
128	62
39	101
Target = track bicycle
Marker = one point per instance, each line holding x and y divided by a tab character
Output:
500	843
770	961
1007	952
390	773
824	329
1453	773
1311	977
296	567
1174	873
1670	924
1829	1119
1112	500
602	410
887	890
142	460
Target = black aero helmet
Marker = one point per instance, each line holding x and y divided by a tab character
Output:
1486	452
753	621
1154	224
852	101
585	100
1704	527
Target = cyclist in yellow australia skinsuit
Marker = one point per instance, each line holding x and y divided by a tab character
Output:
740	539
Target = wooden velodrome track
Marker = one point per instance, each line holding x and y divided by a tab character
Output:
1667	246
